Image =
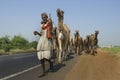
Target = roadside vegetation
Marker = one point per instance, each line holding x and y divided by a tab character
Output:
17	44
115	51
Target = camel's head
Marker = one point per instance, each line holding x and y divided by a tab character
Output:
76	31
96	32
59	12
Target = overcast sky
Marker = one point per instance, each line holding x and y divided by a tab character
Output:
22	17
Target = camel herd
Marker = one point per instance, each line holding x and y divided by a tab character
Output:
64	43
88	45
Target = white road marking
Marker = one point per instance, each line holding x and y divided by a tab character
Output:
18	73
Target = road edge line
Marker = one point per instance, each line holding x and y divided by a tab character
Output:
18	73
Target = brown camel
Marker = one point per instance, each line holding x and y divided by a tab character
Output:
55	44
71	45
78	42
96	39
94	42
86	44
65	31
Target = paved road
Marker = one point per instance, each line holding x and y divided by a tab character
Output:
10	64
59	71
34	69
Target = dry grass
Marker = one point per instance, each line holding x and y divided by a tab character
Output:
115	51
16	51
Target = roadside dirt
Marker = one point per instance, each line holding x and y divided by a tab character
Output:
99	67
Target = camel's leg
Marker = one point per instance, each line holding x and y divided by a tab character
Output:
77	50
80	49
59	56
96	49
69	51
93	52
63	55
60	51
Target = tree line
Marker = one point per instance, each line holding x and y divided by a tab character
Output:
17	42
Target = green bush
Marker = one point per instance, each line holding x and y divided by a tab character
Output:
33	44
5	43
18	42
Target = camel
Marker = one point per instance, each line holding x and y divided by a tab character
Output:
55	44
78	42
94	42
65	32
86	44
55	38
96	39
71	45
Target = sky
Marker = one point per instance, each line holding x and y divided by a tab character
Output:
22	17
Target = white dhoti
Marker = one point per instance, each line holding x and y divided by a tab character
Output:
44	54
44	47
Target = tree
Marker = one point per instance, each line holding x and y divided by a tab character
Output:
33	44
18	42
5	43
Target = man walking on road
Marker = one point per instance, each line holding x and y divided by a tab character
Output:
45	45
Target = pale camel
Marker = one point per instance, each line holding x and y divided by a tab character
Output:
65	31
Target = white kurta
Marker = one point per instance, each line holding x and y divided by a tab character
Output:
44	47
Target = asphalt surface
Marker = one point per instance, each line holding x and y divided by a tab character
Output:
28	67
60	70
11	64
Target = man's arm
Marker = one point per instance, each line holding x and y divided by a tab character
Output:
36	33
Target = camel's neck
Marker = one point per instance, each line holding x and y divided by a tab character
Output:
96	35
77	36
60	23
87	38
60	19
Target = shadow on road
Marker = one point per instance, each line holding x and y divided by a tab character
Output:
58	66
70	57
